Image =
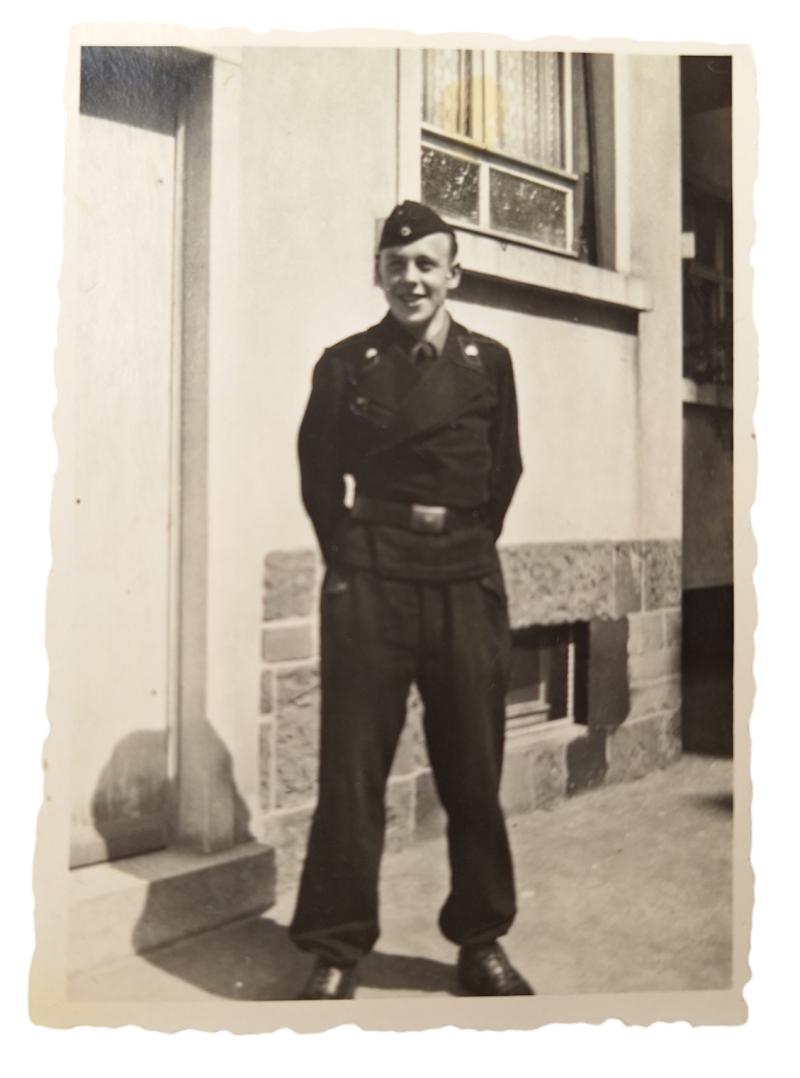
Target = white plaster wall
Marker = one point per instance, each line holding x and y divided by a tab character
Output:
303	161
319	162
599	410
654	196
298	174
302	167
576	388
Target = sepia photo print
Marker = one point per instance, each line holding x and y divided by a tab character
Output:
391	622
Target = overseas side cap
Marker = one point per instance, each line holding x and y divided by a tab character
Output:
411	221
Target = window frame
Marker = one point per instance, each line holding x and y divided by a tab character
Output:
538	706
506	258
477	150
697	197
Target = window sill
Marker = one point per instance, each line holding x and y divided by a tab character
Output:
708	393
556	730
505	260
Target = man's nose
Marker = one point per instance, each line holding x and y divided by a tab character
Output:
410	273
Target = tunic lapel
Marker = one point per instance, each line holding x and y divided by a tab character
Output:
443	392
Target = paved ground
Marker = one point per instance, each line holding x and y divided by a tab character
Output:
626	888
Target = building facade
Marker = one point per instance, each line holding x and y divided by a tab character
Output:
223	213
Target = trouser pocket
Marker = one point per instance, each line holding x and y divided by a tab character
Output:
494	586
335	584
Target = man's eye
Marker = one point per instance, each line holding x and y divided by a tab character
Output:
425	265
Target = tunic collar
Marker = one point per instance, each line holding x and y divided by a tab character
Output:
406	340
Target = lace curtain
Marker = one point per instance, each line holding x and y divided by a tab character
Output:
524	114
513	104
447	91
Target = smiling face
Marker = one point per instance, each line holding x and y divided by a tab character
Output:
416	279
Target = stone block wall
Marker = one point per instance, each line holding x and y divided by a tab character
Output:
628	594
288	731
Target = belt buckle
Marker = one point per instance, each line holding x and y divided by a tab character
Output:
428	518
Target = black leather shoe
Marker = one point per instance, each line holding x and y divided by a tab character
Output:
486	971
329	982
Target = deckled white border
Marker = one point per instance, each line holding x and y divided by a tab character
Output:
35	49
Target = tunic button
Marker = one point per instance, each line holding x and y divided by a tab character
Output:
471	350
371	353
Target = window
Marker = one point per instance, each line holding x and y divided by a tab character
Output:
708	287
548	677
506	146
706	158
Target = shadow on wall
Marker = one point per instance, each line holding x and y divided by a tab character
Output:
134	795
131	806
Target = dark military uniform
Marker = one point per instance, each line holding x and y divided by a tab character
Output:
413	592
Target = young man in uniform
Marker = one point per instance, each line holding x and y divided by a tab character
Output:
422	413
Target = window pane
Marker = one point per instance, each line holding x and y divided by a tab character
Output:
524	111
707	295
447	90
527	208
450	184
548	676
555	670
707	330
525	680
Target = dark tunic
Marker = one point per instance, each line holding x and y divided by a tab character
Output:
445	437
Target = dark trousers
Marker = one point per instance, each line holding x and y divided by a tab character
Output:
377	636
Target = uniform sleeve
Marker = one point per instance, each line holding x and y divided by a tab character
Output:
506	458
320	451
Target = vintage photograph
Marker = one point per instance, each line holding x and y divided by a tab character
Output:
391	621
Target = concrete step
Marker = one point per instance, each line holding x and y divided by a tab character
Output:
136	904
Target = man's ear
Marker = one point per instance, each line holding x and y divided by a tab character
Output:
454	278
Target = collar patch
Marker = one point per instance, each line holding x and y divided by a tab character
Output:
470	353
371	358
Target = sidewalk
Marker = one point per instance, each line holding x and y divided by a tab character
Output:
625	888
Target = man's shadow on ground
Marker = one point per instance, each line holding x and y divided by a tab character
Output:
254	959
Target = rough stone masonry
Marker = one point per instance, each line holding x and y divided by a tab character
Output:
629	596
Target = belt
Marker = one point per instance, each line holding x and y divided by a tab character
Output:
433	519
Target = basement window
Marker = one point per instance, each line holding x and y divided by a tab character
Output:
548	677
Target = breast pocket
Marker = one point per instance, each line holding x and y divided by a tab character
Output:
369	414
